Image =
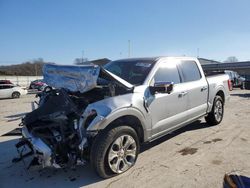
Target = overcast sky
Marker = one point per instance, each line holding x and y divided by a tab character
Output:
59	30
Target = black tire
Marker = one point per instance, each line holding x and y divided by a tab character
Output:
101	147
15	95
212	118
47	89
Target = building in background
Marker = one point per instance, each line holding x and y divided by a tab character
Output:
100	62
204	61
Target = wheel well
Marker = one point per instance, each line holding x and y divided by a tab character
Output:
131	121
221	94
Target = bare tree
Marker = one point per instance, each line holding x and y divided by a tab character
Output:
29	68
231	59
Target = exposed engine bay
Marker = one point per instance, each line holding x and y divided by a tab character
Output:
55	131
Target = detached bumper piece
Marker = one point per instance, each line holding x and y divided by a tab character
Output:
24	150
236	181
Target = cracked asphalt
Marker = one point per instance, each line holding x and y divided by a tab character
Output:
194	156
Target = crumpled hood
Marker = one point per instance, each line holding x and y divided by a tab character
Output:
78	78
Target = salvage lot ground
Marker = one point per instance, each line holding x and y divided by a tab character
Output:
195	156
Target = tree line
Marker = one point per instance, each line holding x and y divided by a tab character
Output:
31	68
35	67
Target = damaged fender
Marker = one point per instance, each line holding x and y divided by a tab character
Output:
109	110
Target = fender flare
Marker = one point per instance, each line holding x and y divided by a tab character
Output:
122	112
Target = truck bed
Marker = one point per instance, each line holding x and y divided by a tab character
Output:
216	81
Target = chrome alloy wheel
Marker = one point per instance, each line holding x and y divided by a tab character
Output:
218	110
122	154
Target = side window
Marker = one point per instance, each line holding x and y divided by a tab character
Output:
190	71
167	73
6	87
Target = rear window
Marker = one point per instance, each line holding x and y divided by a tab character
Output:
190	71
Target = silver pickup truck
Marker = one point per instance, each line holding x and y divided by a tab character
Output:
103	114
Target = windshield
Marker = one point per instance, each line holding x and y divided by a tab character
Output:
133	71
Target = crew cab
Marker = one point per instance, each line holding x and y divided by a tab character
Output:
103	114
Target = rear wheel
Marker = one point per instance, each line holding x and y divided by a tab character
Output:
216	115
15	95
114	151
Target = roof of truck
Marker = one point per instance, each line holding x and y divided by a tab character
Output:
157	58
139	59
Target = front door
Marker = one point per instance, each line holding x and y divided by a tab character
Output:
167	110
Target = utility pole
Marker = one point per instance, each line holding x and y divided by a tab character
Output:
128	48
198	51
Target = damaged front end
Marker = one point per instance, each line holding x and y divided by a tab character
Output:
56	131
51	131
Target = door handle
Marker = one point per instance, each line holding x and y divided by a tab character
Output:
204	88
182	94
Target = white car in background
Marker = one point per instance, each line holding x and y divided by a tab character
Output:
11	91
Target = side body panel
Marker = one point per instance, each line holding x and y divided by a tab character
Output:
110	109
6	92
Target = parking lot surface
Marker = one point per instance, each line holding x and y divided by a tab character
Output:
194	156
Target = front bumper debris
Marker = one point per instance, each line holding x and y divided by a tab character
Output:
21	147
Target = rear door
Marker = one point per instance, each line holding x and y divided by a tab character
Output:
167	110
197	88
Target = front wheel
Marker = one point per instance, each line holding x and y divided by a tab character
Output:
216	115
114	151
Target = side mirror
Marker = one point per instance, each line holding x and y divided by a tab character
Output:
162	87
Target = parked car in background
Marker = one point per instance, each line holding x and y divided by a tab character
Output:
5	82
11	91
37	84
236	80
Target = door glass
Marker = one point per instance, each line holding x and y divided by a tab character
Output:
7	87
167	73
190	71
